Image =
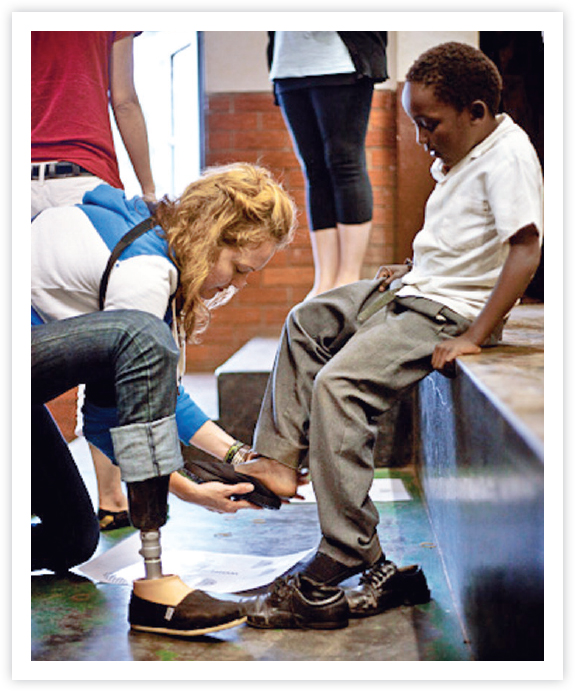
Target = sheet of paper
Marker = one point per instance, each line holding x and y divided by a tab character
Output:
212	571
382	489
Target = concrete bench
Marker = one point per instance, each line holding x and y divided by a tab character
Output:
480	462
241	383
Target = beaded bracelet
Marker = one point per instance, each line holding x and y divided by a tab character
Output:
237	453
234	448
241	455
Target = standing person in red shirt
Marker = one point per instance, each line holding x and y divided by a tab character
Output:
76	77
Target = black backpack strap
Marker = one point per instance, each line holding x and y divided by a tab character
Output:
124	241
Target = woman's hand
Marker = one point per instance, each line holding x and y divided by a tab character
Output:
214	496
387	274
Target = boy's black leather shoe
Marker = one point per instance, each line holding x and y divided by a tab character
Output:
384	586
296	602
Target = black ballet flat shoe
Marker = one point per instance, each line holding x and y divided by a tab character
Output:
197	614
216	471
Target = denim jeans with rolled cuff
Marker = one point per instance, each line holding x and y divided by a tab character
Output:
128	360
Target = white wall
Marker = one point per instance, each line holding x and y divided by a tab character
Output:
411	44
236	60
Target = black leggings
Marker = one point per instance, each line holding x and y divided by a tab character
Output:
69	532
328	125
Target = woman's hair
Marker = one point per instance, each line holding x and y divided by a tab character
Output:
459	75
234	206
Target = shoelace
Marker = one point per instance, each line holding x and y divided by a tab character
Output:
281	587
378	575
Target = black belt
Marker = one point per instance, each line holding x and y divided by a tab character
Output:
62	169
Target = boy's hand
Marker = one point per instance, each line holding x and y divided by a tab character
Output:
445	353
387	274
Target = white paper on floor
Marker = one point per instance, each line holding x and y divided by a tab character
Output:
212	571
382	489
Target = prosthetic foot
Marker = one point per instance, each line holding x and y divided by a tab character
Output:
164	603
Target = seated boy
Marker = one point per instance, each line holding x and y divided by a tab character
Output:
343	359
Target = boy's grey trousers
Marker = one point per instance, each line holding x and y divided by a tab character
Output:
335	373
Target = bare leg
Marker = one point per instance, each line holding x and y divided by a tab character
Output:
353	243
338	255
325	249
111	495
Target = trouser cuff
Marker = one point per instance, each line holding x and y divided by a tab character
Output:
352	557
147	449
283	455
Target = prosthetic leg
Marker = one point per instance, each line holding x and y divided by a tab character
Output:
148	502
164	603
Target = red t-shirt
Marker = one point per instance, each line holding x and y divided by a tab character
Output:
70	100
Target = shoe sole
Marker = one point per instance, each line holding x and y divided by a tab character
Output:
279	627
321	626
406	601
195	632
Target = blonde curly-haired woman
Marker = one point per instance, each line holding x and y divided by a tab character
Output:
190	255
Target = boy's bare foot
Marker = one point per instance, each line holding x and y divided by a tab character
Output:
279	478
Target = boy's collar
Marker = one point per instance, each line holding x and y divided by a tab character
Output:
504	121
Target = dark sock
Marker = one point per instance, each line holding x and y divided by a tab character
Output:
324	569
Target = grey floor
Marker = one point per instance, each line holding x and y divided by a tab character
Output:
75	619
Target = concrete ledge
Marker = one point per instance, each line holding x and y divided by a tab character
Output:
481	469
511	374
242	382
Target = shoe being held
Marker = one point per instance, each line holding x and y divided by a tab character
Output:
296	602
385	586
216	471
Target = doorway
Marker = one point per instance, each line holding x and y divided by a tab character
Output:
167	78
519	57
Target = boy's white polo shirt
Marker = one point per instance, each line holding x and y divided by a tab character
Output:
474	209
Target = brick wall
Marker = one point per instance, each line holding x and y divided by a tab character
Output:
249	127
